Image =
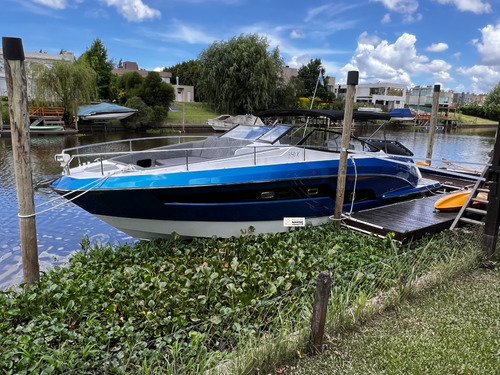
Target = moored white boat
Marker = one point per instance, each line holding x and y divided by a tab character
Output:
224	123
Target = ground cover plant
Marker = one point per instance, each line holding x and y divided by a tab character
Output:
453	329
186	307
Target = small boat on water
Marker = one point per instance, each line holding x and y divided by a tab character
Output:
224	123
104	111
455	200
251	179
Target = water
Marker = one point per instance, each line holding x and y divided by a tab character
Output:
60	230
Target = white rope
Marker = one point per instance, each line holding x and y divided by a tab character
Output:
353	194
97	183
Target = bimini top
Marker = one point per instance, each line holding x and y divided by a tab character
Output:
332	114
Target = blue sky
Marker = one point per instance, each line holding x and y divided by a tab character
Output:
454	43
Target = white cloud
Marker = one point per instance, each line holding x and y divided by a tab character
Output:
437	47
379	60
56	4
298	61
295	34
474	6
133	10
483	78
386	18
183	33
406	7
489	49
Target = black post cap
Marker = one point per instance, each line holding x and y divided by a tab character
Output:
352	77
437	88
12	48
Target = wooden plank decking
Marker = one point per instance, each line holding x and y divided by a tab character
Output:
409	219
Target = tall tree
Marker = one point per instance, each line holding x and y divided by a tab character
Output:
97	57
492	104
68	83
240	76
309	75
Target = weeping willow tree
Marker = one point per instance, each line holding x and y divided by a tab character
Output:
241	75
69	84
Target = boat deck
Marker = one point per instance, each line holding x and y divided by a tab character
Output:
407	220
410	219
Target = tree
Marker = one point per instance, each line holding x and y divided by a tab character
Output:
309	75
125	87
69	83
155	92
189	73
492	104
143	115
288	94
240	76
97	57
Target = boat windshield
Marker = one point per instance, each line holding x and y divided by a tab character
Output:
266	134
332	140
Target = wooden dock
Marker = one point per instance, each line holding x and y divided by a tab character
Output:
408	219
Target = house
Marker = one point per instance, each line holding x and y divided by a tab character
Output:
183	93
386	96
31	58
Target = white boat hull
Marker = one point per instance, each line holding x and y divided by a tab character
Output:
146	229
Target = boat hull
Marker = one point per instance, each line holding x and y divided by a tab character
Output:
197	204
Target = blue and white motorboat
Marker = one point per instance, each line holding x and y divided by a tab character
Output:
251	179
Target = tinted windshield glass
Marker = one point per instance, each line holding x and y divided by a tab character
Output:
275	133
246	132
332	141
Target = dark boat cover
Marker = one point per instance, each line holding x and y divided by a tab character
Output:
332	114
401	113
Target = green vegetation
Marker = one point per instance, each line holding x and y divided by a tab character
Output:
68	83
450	330
97	58
5	111
186	307
240	76
194	112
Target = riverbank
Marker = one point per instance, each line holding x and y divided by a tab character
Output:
452	329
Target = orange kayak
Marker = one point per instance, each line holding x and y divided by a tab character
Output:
454	201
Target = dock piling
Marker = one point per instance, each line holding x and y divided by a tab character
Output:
15	75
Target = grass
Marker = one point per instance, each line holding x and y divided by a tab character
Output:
195	113
451	330
465	119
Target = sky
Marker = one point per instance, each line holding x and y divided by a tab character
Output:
454	43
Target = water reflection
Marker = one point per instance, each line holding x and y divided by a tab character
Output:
61	229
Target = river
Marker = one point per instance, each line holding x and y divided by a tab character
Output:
60	229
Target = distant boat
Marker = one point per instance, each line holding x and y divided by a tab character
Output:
454	201
104	111
401	115
226	122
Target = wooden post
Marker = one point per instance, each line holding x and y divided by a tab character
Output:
433	122
76	115
318	320
492	218
183	116
15	75
352	81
